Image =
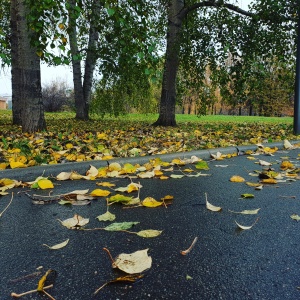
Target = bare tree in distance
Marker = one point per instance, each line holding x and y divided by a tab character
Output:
56	95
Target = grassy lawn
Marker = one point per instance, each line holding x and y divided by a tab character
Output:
131	135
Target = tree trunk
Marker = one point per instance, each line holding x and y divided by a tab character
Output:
83	89
168	93
80	105
27	104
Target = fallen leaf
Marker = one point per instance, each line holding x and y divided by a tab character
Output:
74	223
107	184
100	193
58	246
269	181
212	207
63	176
202	165
286	165
295	217
149	233
120	226
247	195
133	263
45	184
236	178
246	212
264	163
246	227
151	202
108	216
120	198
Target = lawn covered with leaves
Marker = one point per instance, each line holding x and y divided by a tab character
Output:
68	140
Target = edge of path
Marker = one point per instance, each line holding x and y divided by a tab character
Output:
31	173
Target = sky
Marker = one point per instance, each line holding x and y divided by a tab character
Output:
59	73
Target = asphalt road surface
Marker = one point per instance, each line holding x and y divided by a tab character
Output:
226	262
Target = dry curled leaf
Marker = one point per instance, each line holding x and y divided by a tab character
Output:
58	246
133	263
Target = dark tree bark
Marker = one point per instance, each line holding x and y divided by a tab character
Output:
27	104
168	93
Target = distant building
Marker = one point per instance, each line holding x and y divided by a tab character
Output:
3	103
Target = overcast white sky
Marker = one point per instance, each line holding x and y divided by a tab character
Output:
63	73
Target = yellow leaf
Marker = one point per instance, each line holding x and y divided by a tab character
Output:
69	146
45	184
163	177
254	184
3	166
151	202
16	164
132	187
114	167
286	165
100	193
236	178
108	184
269	180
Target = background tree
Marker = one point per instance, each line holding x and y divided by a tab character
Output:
57	96
204	33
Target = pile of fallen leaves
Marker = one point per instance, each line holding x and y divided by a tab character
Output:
67	140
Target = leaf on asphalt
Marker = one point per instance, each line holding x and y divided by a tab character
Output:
287	145
177	176
132	187
131	278
295	217
74	223
119	198
246	227
202	165
114	167
218	156
269	181
58	246
246	212
254	184
264	163
247	195
75	176
133	263
106	184
286	165
120	226
63	176
108	216
92	172
151	202
100	193
149	233
149	174
237	178
45	184
210	206
41	283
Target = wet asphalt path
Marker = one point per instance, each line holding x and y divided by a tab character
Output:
225	263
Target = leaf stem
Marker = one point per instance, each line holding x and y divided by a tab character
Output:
30	292
12	196
185	252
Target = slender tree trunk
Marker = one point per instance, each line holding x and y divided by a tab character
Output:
27	104
83	88
168	94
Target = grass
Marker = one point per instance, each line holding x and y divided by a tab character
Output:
132	135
